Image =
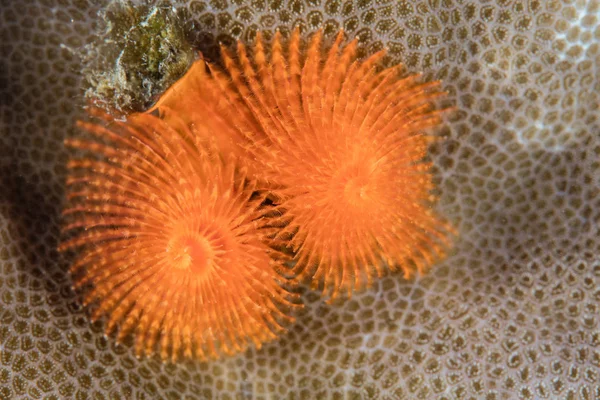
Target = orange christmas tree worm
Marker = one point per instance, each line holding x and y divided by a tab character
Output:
339	142
173	240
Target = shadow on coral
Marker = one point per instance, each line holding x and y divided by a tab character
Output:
35	218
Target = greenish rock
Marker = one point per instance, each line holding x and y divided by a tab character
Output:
140	51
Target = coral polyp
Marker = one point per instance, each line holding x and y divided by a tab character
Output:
173	243
340	144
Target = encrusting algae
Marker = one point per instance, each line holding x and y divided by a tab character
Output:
138	54
186	220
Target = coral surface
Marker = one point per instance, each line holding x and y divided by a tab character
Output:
512	313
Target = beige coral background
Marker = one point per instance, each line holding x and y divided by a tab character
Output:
513	313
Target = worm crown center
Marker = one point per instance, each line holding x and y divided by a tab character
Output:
191	252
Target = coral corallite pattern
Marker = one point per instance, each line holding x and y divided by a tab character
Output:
512	313
172	241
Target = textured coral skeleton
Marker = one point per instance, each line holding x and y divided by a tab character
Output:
172	240
512	314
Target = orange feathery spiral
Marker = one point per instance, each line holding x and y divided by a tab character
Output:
173	241
339	142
